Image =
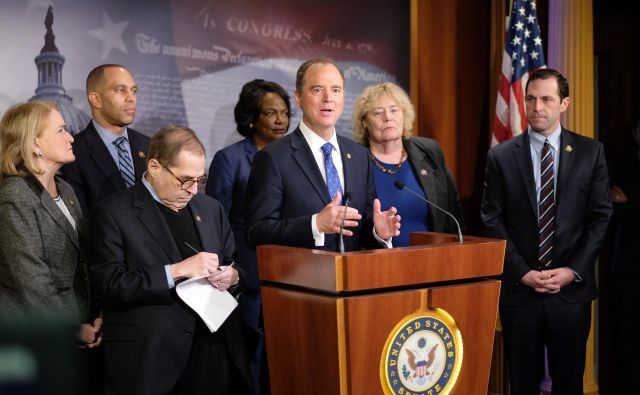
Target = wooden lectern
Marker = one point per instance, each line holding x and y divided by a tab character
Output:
328	316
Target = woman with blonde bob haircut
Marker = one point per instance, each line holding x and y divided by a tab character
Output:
42	268
382	121
20	126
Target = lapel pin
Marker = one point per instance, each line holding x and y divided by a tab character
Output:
423	172
348	155
141	154
568	148
198	219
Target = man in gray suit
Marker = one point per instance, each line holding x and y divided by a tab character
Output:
144	240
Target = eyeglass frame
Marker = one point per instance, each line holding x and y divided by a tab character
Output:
200	181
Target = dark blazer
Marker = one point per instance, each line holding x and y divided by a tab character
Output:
42	267
583	209
626	216
427	162
148	330
286	188
94	175
228	177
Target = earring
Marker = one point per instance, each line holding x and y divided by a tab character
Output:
250	126
40	154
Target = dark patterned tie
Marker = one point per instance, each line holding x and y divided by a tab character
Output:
333	181
547	207
124	161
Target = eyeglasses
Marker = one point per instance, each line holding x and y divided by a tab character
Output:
186	184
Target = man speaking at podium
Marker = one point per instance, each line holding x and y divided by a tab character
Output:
308	187
554	227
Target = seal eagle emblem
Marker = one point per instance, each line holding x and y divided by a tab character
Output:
422	355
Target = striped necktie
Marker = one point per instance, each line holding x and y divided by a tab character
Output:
547	207
333	181
124	161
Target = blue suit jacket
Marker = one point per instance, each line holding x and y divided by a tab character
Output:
228	177
94	175
286	188
583	209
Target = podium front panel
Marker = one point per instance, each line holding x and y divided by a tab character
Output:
324	344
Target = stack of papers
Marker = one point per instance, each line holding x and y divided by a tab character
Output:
211	304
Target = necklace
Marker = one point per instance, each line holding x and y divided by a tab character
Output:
385	170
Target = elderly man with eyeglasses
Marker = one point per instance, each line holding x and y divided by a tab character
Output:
143	241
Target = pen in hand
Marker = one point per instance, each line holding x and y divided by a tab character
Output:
226	266
192	247
220	267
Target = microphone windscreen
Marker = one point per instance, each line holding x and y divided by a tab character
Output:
399	184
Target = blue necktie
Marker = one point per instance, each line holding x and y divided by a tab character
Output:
333	181
124	161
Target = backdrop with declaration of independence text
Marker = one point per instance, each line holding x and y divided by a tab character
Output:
191	57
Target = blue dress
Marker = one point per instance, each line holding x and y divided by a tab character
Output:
228	176
413	211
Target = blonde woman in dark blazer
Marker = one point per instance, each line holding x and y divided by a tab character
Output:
42	268
382	120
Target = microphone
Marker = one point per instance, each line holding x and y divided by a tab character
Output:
347	200
400	185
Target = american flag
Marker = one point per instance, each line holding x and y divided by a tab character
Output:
522	55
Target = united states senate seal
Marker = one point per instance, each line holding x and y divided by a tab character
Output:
422	355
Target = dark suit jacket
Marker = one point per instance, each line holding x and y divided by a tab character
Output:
148	330
427	162
583	209
42	266
228	177
94	175
286	188
626	216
